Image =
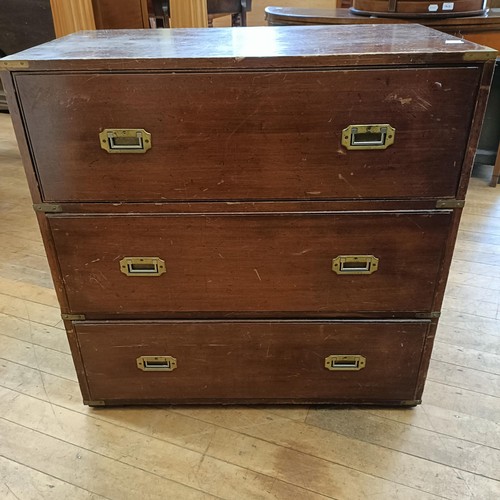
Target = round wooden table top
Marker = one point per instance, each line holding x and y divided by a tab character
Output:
483	29
291	15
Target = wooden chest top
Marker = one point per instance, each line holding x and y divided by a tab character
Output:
259	47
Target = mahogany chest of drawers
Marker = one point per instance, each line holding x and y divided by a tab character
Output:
250	215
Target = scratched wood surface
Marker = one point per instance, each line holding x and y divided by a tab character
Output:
53	447
240	141
220	277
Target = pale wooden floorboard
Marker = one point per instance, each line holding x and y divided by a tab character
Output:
19	482
245	438
469	339
54	447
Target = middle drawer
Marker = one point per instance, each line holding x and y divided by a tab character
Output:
244	265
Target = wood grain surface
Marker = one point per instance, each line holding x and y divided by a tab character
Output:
72	15
254	47
251	135
251	361
270	264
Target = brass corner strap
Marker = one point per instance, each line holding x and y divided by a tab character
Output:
93	403
450	203
73	317
48	208
480	55
14	65
429	315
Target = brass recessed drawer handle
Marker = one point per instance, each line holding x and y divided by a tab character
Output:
142	266
355	264
345	362
125	140
376	136
156	363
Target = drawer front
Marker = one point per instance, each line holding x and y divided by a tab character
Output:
231	361
251	136
278	264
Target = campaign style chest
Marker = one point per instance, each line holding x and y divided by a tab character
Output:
250	215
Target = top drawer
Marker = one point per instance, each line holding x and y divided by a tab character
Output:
249	135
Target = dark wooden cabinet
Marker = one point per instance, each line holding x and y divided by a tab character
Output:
236	222
23	24
122	14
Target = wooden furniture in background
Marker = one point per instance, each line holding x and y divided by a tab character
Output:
237	9
483	29
129	14
188	13
72	15
322	279
23	24
418	9
75	15
122	14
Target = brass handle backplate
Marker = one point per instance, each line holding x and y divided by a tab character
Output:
355	264
156	363
375	136
125	140
142	266
345	362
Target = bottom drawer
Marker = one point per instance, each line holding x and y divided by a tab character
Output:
252	361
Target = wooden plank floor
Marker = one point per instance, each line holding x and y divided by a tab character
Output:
51	446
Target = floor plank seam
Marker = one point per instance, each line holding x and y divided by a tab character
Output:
100	419
338	463
33	321
434	431
448	309
36	369
458	471
447	342
222	460
106	457
54	477
462	388
467	368
36	344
